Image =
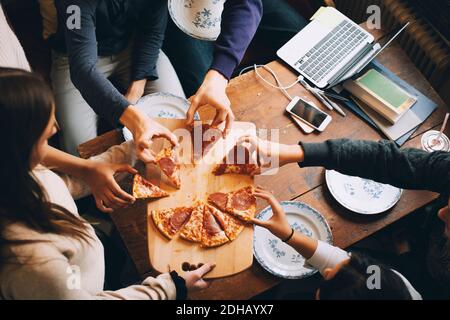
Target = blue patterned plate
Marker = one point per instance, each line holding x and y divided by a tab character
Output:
197	18
279	258
361	195
161	105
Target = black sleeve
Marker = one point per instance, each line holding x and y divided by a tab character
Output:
81	43
180	285
150	29
382	161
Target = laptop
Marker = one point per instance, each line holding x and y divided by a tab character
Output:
331	49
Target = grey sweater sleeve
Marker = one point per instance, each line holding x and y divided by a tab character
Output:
382	161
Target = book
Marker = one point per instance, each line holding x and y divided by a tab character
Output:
381	94
393	132
423	107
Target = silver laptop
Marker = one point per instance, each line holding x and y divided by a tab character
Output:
331	49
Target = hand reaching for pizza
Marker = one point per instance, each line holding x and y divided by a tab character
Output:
277	224
194	279
107	193
272	154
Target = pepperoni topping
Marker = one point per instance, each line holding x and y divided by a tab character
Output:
211	224
219	199
167	165
179	218
242	200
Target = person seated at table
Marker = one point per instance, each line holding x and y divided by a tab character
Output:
47	250
385	162
205	67
346	275
101	49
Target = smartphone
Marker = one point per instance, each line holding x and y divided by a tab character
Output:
307	112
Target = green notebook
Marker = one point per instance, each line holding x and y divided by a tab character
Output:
381	94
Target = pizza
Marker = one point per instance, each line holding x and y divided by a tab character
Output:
233	226
237	161
192	230
167	161
203	138
242	203
219	200
170	221
213	234
143	189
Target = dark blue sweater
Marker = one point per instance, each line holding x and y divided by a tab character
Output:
108	26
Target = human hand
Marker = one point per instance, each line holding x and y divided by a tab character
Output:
277	224
144	130
194	279
106	191
271	153
212	92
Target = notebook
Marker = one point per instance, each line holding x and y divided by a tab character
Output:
381	94
423	107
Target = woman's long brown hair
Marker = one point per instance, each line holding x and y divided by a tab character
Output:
26	105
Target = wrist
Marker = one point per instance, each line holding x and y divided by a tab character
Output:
293	153
217	76
132	118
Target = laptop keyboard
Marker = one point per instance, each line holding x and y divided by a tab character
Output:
328	53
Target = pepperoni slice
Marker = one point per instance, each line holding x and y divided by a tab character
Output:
219	199
211	224
167	165
179	218
242	200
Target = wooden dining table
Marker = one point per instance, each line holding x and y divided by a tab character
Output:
254	101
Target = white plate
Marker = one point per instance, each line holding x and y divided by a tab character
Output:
279	258
161	105
361	195
197	18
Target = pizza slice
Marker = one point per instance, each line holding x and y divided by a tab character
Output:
213	234
219	200
143	189
242	203
233	226
192	231
237	161
167	161
170	221
203	138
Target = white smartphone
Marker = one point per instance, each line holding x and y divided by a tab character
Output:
307	112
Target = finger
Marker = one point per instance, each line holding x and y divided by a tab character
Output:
192	110
229	122
125	168
261	223
261	195
119	192
114	201
171	137
101	206
146	155
202	284
204	269
220	117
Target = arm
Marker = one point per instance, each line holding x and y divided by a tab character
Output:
52	276
240	19
382	161
81	44
318	254
96	175
150	29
